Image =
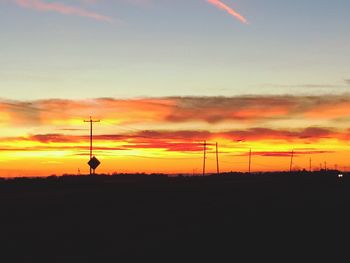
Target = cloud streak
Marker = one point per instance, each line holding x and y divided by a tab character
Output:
62	9
286	153
229	10
65	9
177	140
247	110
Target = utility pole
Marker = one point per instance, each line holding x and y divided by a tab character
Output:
250	160
91	121
310	162
217	160
204	157
291	161
325	166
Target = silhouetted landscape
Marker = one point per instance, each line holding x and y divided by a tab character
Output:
201	87
100	218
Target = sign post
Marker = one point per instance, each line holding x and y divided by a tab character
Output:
93	163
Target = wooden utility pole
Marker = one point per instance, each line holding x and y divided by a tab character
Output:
250	160
204	156
91	121
310	162
291	161
217	160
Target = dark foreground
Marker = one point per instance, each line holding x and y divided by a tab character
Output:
144	218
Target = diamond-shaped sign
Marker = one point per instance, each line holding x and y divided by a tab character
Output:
94	163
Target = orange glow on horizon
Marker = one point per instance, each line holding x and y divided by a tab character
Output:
40	160
152	135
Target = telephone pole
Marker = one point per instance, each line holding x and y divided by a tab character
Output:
310	162
91	121
250	160
291	161
204	157
217	160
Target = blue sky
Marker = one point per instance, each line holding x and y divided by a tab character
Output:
175	48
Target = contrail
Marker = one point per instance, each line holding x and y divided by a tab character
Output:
228	9
62	9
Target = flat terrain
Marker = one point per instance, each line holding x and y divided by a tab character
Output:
106	218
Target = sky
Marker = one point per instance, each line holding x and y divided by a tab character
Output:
163	76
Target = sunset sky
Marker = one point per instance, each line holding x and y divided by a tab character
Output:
165	75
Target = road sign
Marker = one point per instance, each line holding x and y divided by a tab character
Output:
94	163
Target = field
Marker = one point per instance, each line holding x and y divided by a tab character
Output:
139	217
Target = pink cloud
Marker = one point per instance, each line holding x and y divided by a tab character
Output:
228	9
65	9
62	9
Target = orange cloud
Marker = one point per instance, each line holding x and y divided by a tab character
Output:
174	141
330	109
250	110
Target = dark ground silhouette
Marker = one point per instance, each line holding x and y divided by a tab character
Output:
175	219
